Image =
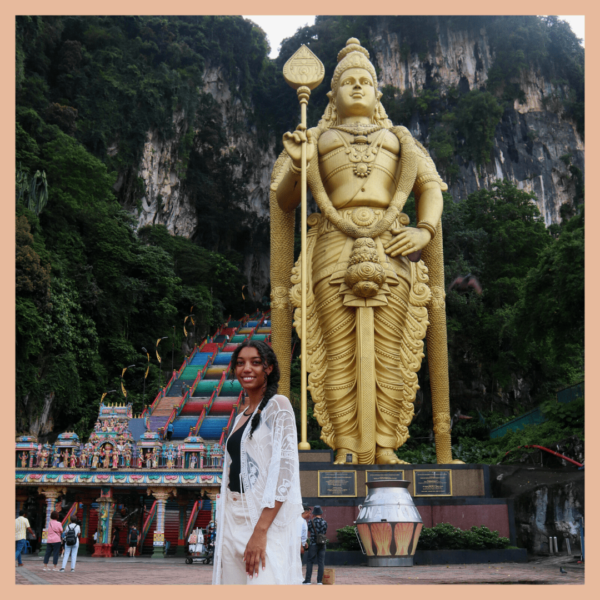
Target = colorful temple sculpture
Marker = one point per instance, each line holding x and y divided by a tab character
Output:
137	469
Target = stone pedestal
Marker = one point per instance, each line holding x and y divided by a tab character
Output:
102	550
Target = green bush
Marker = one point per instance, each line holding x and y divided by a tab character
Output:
347	538
444	536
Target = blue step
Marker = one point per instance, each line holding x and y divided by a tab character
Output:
137	427
251	323
156	422
181	427
223	358
200	358
212	427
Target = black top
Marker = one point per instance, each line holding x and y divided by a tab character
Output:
234	448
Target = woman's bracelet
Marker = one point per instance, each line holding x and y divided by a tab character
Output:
295	169
428	226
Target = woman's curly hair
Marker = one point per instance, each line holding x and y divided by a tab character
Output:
269	359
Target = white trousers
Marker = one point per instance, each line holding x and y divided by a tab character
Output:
236	534
72	550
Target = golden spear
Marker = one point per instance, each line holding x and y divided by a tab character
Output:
303	72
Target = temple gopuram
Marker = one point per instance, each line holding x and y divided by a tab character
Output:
129	471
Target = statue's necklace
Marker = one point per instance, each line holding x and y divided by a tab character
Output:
361	153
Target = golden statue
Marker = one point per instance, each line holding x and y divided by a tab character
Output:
370	300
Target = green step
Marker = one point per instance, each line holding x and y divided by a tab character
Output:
238	339
205	388
231	387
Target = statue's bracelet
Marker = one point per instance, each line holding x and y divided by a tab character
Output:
428	226
295	169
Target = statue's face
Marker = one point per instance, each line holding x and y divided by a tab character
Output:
356	95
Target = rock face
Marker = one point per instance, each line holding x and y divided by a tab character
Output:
547	503
529	141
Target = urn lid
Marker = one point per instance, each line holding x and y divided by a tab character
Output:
388	483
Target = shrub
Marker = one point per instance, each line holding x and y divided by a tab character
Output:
347	538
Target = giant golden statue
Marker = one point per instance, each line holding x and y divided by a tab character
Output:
370	301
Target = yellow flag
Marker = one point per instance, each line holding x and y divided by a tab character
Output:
157	354
103	395
124	390
184	329
147	370
123	373
243	297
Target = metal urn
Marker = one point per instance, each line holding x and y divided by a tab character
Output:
389	524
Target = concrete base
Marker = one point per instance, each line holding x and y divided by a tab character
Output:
159	552
390	561
103	550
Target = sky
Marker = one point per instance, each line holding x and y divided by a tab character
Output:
280	27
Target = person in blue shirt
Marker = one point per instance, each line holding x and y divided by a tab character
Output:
170	430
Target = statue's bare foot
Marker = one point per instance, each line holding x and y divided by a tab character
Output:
386	456
456	462
341	457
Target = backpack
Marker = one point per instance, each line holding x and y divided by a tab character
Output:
133	536
71	536
321	538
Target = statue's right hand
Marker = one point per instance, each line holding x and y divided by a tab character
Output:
292	142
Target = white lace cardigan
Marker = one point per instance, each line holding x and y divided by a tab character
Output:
269	471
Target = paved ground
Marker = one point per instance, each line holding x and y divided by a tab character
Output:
148	571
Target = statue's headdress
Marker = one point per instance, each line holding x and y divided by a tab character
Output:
353	56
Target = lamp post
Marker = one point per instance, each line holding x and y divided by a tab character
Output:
145	375
158	341
173	350
123	380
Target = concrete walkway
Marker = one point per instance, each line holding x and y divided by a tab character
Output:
174	571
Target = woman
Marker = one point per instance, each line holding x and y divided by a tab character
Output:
260	491
71	550
53	541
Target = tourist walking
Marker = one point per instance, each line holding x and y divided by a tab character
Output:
72	535
132	539
317	528
260	501
53	541
22	526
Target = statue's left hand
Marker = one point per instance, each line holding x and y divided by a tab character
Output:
407	240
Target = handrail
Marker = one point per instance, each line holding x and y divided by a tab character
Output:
170	382
196	381
68	516
192	519
171	418
148	523
158	397
226	428
578	464
199	421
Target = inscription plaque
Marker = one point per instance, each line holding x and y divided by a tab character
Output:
337	484
432	482
382	476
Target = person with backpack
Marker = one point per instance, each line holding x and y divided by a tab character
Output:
317	528
132	540
72	534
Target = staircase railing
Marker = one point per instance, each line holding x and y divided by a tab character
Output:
174	376
226	428
192	519
71	512
200	419
199	376
148	523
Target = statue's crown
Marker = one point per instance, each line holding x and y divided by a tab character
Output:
353	55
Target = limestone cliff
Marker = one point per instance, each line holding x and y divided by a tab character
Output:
528	146
529	141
